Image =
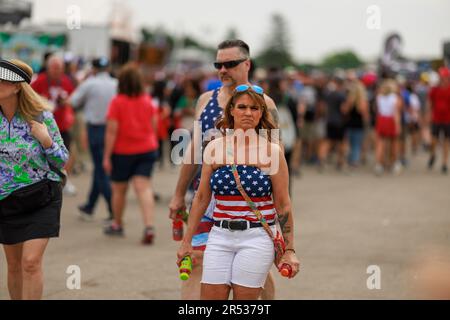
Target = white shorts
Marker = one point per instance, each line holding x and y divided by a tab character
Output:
238	257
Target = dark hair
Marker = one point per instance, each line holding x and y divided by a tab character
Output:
194	84
227	121
130	81
235	43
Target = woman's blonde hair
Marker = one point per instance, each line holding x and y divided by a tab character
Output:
357	92
30	104
227	120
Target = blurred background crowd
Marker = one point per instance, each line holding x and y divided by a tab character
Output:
342	112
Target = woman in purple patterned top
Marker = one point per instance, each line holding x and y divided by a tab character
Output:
31	156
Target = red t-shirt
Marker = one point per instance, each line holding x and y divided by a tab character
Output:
440	104
135	115
53	90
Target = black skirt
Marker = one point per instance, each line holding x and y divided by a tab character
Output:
19	222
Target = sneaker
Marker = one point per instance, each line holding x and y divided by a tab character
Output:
85	213
113	230
378	169
431	162
444	169
85	208
397	169
86	217
148	236
70	189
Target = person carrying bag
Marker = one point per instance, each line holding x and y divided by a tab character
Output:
32	155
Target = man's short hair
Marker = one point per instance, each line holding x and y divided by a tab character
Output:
235	43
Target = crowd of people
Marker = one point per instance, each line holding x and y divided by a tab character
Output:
361	117
125	119
349	118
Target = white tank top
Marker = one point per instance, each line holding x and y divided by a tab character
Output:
386	105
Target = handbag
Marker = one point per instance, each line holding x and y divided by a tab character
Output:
277	238
28	199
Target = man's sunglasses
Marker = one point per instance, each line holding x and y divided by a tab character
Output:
245	87
228	64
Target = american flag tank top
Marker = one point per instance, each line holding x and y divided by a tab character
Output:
229	202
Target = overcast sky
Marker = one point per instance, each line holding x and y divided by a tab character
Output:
316	27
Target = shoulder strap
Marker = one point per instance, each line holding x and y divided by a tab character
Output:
215	93
58	172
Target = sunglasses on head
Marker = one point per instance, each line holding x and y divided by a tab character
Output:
228	64
245	87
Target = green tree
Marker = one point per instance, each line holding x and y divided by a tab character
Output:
147	35
277	52
231	34
342	60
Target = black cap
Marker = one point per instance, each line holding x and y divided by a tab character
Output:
100	63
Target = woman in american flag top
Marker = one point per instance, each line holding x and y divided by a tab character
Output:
239	252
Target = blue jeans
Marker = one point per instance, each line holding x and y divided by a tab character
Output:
100	181
355	137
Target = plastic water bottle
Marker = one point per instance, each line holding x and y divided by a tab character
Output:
185	268
286	270
177	229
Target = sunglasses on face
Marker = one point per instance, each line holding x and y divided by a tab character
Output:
245	87
228	64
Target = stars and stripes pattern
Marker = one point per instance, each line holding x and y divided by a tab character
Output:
229	202
208	118
210	114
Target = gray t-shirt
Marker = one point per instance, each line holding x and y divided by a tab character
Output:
95	95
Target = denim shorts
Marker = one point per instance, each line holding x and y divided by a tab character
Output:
124	167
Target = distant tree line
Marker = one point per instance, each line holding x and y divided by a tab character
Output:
275	54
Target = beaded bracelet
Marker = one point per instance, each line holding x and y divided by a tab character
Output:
290	250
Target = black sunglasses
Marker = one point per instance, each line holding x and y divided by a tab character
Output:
228	64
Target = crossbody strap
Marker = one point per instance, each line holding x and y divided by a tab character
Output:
58	172
244	194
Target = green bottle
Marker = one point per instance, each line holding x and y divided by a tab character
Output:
185	268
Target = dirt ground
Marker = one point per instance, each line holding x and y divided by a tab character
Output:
344	223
